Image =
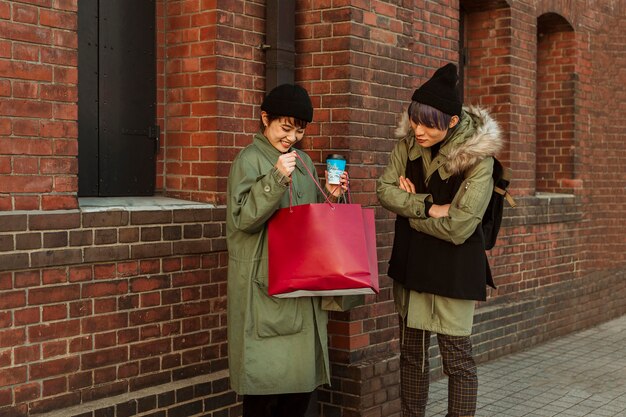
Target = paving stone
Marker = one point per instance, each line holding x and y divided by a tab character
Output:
580	375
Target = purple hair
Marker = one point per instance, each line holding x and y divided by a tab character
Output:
423	114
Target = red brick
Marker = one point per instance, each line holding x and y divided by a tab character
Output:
59	56
5	11
81	273
81	344
105	271
55	239
80	380
171	264
12	107
102	323
128	370
6	319
55	330
54	221
6	281
29	184
103	289
104	357
151	299
151	315
23	127
127	268
150	266
13	376
80	308
54	348
6	358
66	185
102	376
53	294
26	354
191	309
149	349
54	276
54	367
54	386
59	202
190	278
63	111
5	165
12	299
27	316
58	19
150	283
56	312
104	305
65	39
128	336
105	340
12	337
26	90
26	202
150	332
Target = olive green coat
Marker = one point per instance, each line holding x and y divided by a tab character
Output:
274	345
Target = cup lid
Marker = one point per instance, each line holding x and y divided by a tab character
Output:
335	156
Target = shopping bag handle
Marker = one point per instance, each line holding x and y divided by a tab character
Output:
319	187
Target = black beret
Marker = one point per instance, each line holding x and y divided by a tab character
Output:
289	100
440	91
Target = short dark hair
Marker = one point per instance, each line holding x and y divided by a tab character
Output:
300	124
428	116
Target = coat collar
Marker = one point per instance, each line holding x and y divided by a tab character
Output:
477	137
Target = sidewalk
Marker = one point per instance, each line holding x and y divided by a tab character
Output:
583	374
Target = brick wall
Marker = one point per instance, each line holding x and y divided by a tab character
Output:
96	304
38	94
128	306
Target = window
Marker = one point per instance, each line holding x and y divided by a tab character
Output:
556	59
117	134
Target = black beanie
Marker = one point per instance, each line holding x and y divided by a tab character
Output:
289	100
440	91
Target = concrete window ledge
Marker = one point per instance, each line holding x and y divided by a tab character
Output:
96	204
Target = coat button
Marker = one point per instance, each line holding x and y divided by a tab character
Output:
267	188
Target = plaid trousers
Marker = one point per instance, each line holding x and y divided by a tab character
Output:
458	365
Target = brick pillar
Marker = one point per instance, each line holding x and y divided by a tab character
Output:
361	65
38	106
210	71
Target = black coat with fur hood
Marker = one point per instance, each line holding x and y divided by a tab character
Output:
443	256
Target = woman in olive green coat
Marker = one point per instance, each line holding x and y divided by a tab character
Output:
278	352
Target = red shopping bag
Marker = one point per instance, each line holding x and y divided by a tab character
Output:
333	252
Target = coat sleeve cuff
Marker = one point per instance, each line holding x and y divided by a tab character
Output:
280	178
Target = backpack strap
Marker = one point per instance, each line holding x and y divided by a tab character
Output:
507	174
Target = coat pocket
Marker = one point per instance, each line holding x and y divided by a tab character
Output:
276	316
472	195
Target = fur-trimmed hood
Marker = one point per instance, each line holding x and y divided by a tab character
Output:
477	137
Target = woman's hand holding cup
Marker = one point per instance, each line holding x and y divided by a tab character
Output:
336	175
337	189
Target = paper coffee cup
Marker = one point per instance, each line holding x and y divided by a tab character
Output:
335	165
